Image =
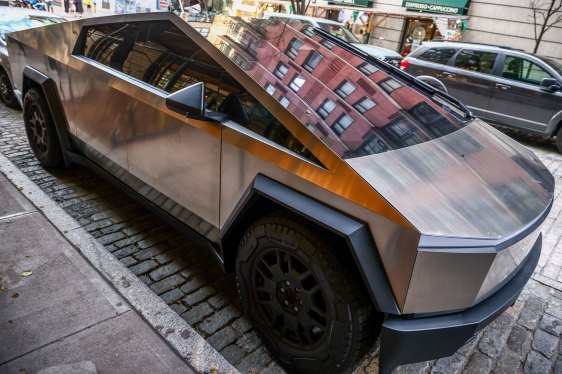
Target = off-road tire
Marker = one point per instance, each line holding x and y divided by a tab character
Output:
6	91
305	300
559	139
40	130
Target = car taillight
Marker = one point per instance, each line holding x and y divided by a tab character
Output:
404	64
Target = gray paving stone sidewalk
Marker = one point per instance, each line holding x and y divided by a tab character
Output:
524	339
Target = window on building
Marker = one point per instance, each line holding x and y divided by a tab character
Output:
364	104
345	89
326	108
373	145
270	88
390	85
342	123
297	82
284	101
313	60
479	61
437	55
402	132
281	70
522	70
294	47
327	43
367	68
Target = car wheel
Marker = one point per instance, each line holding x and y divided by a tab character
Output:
559	139
40	130
308	306
6	92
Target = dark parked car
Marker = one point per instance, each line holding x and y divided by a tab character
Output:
15	19
500	85
349	198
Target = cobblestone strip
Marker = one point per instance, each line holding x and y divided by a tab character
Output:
524	339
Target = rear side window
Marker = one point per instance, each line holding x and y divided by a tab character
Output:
159	54
437	55
479	61
522	70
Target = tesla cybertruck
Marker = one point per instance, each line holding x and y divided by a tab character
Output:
351	200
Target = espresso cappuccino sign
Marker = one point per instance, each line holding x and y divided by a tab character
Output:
446	7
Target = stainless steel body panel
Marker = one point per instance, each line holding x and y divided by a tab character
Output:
447	187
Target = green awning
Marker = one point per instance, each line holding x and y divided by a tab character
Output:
361	3
438	6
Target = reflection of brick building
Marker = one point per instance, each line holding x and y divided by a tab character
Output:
357	111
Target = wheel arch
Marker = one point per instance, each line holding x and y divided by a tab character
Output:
266	195
35	79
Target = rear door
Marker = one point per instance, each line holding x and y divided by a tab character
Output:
517	98
470	79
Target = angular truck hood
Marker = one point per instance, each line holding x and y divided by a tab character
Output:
473	183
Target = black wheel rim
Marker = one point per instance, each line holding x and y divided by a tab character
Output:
38	129
290	299
5	88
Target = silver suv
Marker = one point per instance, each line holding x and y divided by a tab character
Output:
499	84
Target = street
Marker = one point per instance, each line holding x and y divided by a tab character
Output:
186	276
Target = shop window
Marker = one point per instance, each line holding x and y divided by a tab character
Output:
364	104
523	70
284	101
270	88
437	55
294	47
326	108
390	85
479	61
342	123
312	61
367	68
297	82
345	89
281	70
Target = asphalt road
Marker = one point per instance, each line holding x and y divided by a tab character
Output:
526	338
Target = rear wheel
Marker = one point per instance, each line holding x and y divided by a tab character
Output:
6	91
307	304
40	130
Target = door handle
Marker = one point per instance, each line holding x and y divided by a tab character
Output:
447	74
503	86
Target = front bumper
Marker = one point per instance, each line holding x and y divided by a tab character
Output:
405	341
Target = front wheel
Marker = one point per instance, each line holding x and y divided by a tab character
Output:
40	130
305	301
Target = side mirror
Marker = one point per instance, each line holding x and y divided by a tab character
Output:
550	84
189	100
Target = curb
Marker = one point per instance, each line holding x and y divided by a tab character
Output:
191	346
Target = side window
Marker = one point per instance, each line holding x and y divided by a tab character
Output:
140	50
522	70
478	61
437	55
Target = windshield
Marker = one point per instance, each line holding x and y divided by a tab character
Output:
339	32
9	23
553	64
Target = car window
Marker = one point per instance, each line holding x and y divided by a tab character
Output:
479	61
159	54
437	55
523	70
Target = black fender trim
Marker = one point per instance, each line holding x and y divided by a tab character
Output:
52	97
356	234
405	341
